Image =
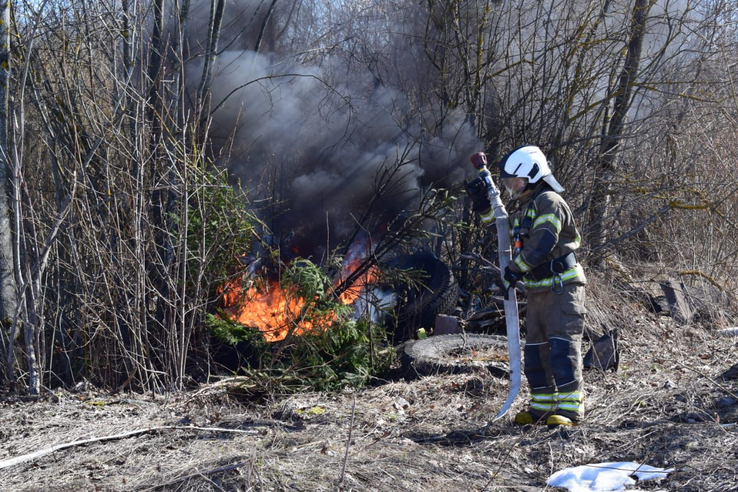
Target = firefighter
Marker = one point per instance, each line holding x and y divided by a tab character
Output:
544	260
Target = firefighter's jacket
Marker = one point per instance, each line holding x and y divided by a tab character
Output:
545	225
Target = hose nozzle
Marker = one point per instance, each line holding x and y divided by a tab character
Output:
479	160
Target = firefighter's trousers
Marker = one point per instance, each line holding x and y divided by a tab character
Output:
553	351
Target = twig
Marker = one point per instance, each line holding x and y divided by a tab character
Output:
37	454
496	473
348	443
488	265
209	480
728	332
234	466
709	379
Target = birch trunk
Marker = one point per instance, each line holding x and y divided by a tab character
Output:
8	291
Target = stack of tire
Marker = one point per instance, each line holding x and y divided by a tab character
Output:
418	306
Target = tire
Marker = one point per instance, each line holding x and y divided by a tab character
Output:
459	353
418	307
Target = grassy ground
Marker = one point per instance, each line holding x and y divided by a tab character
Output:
667	406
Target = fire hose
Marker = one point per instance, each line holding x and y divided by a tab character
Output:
512	321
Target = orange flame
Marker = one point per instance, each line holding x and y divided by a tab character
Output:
352	293
268	309
276	314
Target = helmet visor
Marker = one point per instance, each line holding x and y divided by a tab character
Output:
508	182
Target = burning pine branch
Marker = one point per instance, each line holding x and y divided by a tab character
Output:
302	300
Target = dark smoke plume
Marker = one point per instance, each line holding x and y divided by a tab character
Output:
316	147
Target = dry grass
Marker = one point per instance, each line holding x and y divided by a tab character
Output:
667	406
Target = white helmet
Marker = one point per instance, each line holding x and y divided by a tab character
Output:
528	162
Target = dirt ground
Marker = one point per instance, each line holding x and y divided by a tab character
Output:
668	405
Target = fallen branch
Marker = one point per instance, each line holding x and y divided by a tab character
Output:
43	452
728	332
700	274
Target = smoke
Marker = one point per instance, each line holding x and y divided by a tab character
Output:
322	149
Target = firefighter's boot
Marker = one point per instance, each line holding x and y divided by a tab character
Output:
560	421
524	418
528	418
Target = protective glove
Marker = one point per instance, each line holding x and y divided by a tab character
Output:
477	191
503	288
509	278
512	277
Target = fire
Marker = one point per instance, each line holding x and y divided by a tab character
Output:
275	314
360	250
369	277
268	309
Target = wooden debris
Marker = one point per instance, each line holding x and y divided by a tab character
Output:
728	332
679	306
43	452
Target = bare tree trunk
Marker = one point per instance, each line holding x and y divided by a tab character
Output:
216	21
155	65
613	134
8	291
163	248
268	16
578	81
